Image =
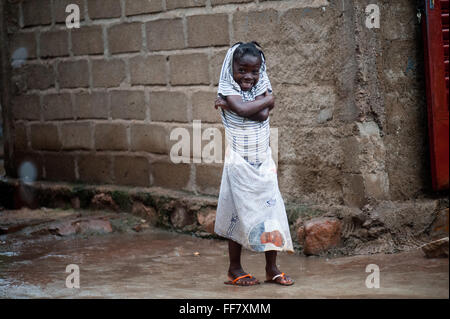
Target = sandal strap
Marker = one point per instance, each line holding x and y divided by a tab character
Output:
279	275
244	276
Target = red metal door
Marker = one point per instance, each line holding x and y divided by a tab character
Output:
436	43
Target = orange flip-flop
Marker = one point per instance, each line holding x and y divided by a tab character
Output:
236	281
274	281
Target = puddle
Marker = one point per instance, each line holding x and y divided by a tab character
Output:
161	264
9	254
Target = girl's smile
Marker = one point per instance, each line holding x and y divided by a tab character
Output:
246	71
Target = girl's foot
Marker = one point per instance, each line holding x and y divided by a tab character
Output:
273	275
239	277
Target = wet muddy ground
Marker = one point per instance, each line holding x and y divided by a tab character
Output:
156	263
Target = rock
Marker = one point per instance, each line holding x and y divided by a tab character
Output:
75	203
27	220
61	203
324	116
207	220
64	229
104	201
321	234
361	233
81	226
376	232
300	227
439	228
298	222
141	227
95	225
301	235
437	248
180	217
148	213
7	229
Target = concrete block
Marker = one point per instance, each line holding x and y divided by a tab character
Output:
26	107
59	167
44	137
203	107
165	34
222	2
73	74
189	69
23	41
136	7
95	168
57	107
125	37
111	137
208	30
168	106
132	170
20	136
91	105
208	178
104	9
148	70
87	40
36	12
128	104
76	136
260	26
39	76
108	73
174	176
149	138
174	4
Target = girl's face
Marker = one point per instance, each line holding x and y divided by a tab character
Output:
246	71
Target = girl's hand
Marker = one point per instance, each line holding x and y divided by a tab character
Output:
221	103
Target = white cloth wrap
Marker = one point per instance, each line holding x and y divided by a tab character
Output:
250	204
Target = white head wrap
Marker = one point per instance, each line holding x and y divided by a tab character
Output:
228	86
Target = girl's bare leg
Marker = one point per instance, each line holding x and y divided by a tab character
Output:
235	270
272	269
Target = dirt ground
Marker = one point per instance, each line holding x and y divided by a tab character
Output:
156	263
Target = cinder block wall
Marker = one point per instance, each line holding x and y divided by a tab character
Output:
97	104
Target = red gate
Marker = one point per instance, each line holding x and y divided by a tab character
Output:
436	43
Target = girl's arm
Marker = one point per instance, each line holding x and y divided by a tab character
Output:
246	109
263	114
259	116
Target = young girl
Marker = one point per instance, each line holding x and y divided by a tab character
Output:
250	210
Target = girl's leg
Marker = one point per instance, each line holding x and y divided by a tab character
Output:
234	250
235	270
271	264
272	269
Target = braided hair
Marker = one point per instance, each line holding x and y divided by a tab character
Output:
249	48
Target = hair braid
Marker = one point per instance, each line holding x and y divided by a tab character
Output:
249	48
